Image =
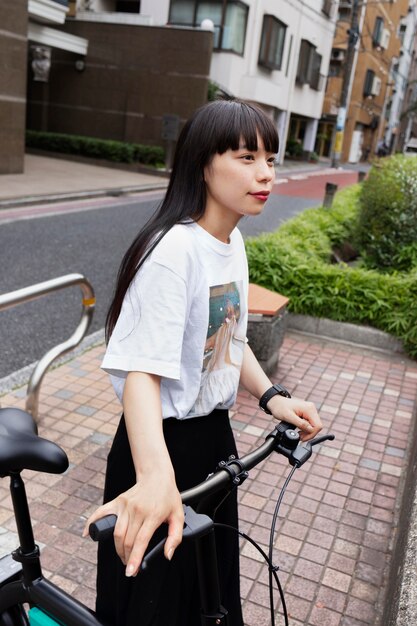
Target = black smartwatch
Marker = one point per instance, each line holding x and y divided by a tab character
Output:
275	390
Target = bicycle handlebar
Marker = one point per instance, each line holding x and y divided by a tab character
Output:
284	439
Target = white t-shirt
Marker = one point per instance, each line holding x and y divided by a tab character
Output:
184	318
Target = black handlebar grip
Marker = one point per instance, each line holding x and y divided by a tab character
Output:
102	528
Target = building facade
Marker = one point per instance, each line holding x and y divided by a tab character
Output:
275	53
28	37
374	30
13	51
134	80
67	67
402	120
272	52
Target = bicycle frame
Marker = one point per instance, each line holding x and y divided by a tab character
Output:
33	588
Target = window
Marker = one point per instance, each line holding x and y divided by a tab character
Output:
327	7
369	83
378	29
335	69
309	64
402	27
345	9
128	6
315	79
304	62
272	43
228	16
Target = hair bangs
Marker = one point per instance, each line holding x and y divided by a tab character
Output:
267	131
228	123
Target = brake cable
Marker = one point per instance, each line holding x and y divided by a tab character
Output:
272	569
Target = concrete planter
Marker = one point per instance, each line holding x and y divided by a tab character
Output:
267	324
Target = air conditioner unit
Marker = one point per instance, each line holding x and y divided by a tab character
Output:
385	37
376	86
338	55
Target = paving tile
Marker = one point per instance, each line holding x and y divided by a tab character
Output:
321	616
359	609
365	591
308	569
302	588
298	608
336	580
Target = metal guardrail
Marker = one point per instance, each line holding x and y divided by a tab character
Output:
33	292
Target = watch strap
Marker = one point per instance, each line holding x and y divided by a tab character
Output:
275	390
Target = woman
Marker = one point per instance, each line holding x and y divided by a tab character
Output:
176	353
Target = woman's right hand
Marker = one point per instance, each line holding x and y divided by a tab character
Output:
153	500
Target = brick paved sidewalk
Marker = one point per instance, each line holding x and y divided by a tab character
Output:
339	515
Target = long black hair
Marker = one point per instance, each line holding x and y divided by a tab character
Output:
213	129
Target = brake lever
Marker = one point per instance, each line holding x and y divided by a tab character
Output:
320	439
302	453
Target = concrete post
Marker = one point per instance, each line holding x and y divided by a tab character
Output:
331	189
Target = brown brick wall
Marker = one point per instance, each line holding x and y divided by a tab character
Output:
13	54
133	76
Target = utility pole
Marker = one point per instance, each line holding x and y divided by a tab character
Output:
353	33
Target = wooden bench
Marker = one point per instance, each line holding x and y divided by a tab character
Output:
267	323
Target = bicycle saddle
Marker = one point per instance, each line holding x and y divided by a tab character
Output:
21	447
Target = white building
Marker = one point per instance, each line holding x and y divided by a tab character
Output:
273	52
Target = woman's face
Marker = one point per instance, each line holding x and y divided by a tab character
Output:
239	182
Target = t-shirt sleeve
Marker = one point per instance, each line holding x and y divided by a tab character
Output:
148	335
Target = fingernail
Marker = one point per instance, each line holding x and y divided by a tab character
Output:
170	554
129	570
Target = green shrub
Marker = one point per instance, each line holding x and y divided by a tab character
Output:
406	257
388	216
212	91
295	261
149	155
293	148
117	151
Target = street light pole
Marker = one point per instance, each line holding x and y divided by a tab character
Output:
353	33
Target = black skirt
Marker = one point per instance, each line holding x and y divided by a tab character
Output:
168	594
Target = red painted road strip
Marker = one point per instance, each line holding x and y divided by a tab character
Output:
314	186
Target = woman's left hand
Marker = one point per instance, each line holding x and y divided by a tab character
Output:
301	414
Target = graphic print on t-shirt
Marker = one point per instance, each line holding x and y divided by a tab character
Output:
223	351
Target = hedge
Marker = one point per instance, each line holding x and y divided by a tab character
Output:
108	149
295	261
387	224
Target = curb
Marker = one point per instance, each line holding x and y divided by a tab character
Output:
365	336
10	203
400	607
21	377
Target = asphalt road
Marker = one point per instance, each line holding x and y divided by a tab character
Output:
91	242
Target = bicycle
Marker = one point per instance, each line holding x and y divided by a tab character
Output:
22	583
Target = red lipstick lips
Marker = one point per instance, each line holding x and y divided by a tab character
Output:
261	195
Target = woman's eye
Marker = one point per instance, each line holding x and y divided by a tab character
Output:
272	161
248	157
